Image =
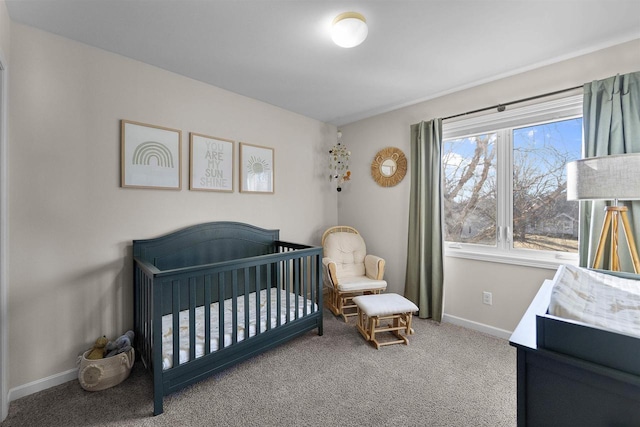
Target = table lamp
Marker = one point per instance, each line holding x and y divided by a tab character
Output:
615	177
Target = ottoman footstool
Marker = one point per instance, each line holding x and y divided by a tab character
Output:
395	310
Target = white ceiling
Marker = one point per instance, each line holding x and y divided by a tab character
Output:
281	52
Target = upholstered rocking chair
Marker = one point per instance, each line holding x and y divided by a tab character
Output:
348	270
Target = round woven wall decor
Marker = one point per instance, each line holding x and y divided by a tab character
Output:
389	167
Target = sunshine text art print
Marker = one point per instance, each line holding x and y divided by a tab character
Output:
211	163
256	169
151	156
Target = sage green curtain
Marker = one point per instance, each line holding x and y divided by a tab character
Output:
611	123
424	278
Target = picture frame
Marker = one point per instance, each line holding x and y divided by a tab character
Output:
257	170
151	156
211	163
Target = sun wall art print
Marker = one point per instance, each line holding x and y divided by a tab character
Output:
256	169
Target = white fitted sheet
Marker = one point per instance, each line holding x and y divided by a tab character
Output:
596	298
167	323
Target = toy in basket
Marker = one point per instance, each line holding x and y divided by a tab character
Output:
97	372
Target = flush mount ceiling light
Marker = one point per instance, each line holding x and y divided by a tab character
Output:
349	29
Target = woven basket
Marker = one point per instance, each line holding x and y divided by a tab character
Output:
99	374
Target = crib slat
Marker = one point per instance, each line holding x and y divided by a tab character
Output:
247	306
192	318
278	296
175	308
207	314
305	283
287	289
258	293
234	307
221	299
269	290
142	333
296	285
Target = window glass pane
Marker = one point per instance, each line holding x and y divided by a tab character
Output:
469	189
543	219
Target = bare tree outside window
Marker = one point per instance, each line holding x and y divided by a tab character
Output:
542	218
470	202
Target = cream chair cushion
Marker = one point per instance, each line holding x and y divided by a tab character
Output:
360	283
347	250
356	271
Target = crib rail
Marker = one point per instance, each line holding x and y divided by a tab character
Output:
292	271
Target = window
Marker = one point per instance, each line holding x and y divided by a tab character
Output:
504	184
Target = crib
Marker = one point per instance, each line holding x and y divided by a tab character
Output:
231	290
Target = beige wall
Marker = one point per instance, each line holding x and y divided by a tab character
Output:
72	225
5	45
5	28
381	214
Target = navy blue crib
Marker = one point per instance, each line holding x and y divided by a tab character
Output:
219	264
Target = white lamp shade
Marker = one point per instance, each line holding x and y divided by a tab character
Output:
349	29
604	178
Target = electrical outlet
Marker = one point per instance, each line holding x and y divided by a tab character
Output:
487	298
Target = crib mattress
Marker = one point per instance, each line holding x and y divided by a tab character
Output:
597	299
167	323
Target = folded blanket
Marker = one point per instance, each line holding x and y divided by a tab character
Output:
597	299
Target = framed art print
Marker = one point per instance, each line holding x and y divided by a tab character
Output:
211	163
151	156
256	169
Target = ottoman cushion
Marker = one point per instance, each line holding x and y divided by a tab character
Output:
384	304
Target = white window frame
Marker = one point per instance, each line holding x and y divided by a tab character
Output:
503	122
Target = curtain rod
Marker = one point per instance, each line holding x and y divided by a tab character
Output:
501	107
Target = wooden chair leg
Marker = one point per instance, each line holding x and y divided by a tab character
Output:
372	331
331	301
409	320
342	299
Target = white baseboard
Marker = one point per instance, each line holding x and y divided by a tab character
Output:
490	330
42	384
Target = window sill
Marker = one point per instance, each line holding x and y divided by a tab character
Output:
549	262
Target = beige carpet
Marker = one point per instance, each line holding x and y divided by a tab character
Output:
446	376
